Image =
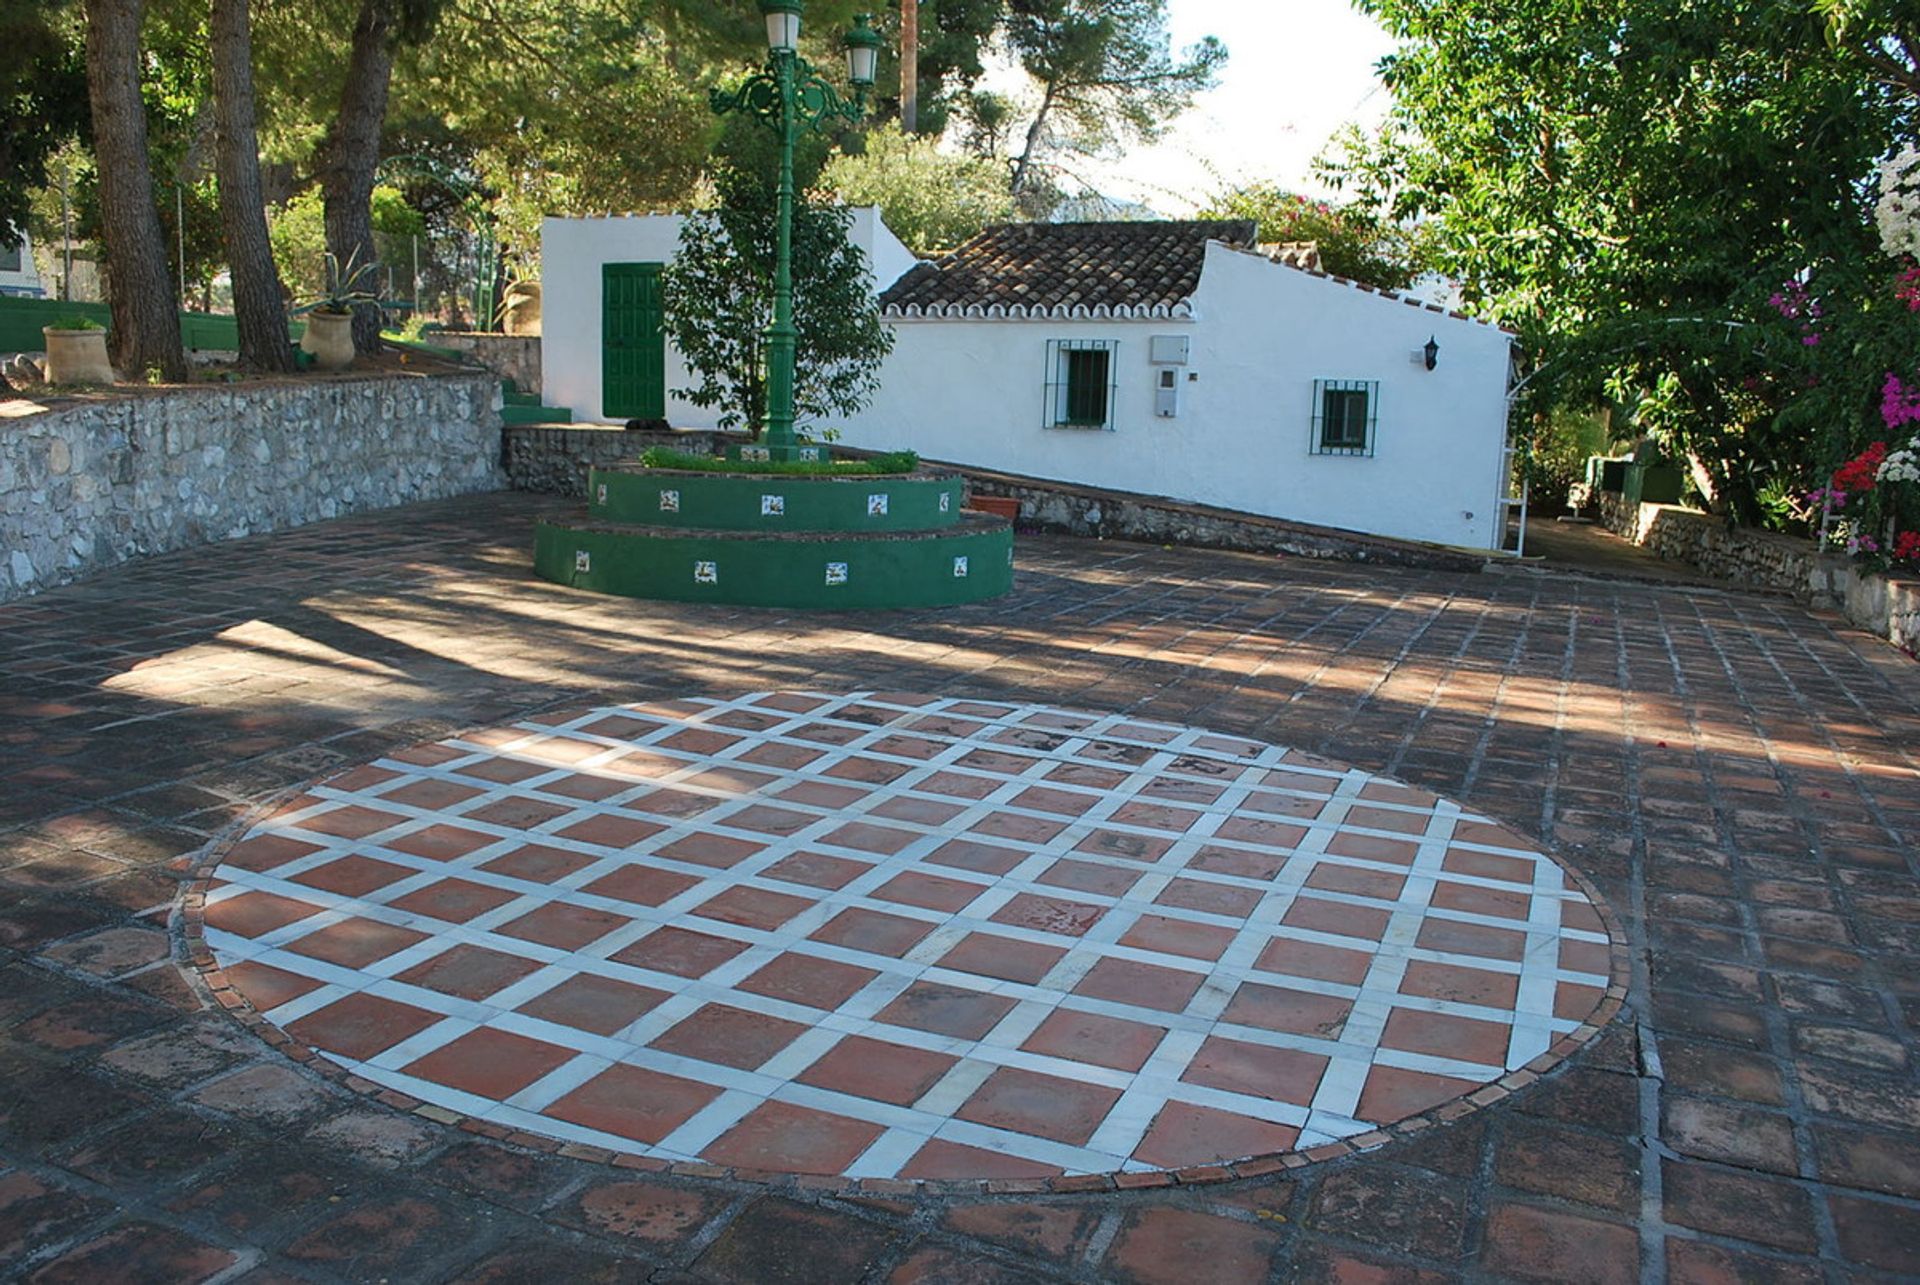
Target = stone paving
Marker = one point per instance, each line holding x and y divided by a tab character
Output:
1737	779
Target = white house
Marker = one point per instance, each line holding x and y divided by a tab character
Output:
17	273
1163	358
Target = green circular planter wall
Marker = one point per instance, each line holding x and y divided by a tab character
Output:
771	503
968	561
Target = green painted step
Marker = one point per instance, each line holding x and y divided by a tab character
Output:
513	398
535	414
774	503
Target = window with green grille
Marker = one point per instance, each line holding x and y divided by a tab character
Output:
1345	414
1080	384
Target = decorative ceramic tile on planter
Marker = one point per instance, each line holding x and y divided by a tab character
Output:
810	454
887	935
836	573
669	501
946	502
773	506
600	493
755	454
706	573
877	506
960	568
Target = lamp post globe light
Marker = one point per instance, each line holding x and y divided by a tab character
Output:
788	96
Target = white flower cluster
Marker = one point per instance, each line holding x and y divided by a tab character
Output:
1898	212
1902	465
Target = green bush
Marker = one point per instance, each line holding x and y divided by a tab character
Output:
890	463
75	323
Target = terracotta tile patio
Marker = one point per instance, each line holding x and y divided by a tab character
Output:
1736	777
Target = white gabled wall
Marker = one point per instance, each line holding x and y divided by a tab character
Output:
25	279
571	254
972	392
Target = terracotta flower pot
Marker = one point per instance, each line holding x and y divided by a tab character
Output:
329	338
77	356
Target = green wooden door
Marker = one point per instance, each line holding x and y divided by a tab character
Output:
633	347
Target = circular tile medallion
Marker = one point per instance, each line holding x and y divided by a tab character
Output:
882	935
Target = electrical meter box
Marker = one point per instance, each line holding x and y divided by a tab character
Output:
1166	394
1167	350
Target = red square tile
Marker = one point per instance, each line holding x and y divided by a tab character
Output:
266	851
621	727
678	804
827	733
908	747
1089	1037
1580	917
819	794
1394	1094
1258	1070
354	876
1305	782
1007	958
1586	957
1283	805
1393	792
790	702
426	755
716	850
872	931
1501	903
612	830
1267	834
440	842
350	822
1367	847
746	720
1279	1008
1054	915
1090	876
643	764
560	750
362	778
1574	1002
642	885
1094	778
1178	937
1042	1106
1464	1039
1387	819
500	771
792	1139
698	740
929	892
633	1103
959	785
677	951
815	870
1184	1134
1298	958
254	914
867	771
944	725
471	972
1242	863
355	943
941	1160
1461	985
806	979
917	811
983	858
1212	898
863	837
753	908
493	1064
1128	847
563	926
430	794
868	1068
453	900
589	1002
1455	938
774	754
1155	816
997	761
1041	798
946	1010
1176	790
1356	882
1144	985
538	863
1366	922
1489	836
1020	829
267	987
729	1036
587	787
360	1026
763	818
1487	865
517	813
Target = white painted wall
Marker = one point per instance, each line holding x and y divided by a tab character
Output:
972	392
25	280
571	254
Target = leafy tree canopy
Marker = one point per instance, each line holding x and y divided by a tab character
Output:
932	200
1353	242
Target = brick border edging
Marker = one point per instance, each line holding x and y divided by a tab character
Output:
201	967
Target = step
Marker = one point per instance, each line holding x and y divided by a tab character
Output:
535	415
512	398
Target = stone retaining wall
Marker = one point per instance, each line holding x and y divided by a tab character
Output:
89	483
515	357
554	460
1886	604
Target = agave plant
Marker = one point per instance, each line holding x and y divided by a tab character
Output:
345	286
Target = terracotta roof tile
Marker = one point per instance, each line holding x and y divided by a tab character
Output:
1065	269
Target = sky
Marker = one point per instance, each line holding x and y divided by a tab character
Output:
1296	71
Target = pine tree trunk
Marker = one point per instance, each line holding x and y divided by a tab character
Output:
352	154
909	66
258	308
145	329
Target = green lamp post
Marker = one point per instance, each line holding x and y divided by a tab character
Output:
788	97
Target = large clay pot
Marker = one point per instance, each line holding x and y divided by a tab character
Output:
329	338
520	314
77	356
